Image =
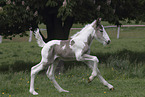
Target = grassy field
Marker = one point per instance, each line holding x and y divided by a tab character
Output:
122	63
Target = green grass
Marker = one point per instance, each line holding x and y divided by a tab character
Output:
122	63
16	84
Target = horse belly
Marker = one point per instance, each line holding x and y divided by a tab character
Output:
68	56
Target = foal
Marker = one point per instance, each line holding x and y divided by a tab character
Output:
77	48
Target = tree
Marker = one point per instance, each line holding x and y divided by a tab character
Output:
17	16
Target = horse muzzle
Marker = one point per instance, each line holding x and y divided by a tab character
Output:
108	42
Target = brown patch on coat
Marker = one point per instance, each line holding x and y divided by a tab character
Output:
72	42
67	52
90	39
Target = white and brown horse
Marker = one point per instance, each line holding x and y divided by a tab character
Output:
77	48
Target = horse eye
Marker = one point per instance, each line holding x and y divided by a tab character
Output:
101	30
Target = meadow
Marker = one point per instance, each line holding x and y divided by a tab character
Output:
122	63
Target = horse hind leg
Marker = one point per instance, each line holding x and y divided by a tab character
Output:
50	74
34	70
104	81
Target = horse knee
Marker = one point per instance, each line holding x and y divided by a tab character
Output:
94	74
33	71
48	73
37	68
50	76
95	59
48	70
79	58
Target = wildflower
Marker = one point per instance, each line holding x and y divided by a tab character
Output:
112	69
9	95
28	82
104	92
3	93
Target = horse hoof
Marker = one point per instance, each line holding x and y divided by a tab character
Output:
89	80
34	92
111	89
63	90
66	91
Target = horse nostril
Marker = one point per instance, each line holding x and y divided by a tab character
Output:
108	41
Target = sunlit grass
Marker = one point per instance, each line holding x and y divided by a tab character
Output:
17	85
122	63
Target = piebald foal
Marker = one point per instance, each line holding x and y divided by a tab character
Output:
77	48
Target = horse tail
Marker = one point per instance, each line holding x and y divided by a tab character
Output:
39	38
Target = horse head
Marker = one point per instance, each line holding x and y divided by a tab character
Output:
100	33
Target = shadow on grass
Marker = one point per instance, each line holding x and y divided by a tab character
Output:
133	57
17	66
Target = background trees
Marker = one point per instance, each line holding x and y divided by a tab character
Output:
17	16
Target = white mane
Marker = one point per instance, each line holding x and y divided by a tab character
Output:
82	31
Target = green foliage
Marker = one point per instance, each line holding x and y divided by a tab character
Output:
64	12
17	16
51	3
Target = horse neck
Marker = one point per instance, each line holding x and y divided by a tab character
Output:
90	39
86	37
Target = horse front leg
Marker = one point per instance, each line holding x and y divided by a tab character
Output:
50	74
104	81
94	73
93	61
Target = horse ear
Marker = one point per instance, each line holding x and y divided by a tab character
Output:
93	24
99	21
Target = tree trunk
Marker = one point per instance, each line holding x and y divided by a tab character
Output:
57	29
